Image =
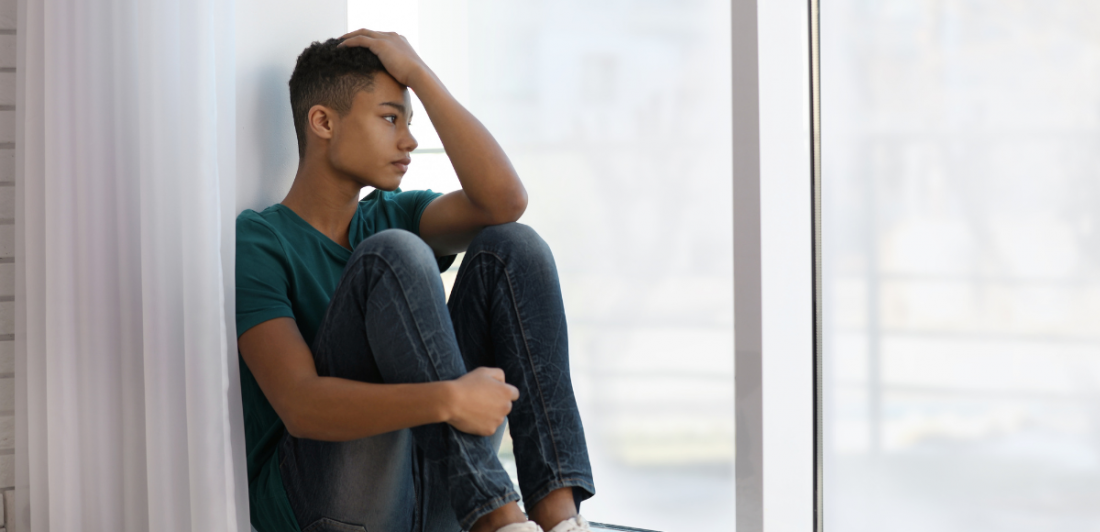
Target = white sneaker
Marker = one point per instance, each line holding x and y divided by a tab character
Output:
526	526
573	524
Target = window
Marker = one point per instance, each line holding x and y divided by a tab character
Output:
617	117
962	275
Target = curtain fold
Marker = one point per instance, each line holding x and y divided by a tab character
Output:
128	400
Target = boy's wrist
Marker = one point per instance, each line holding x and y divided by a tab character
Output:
445	397
421	79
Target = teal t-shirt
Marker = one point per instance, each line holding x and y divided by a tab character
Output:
287	268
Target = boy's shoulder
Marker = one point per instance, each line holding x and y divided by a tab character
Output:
250	220
251	215
258	228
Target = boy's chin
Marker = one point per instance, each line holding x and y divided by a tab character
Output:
389	185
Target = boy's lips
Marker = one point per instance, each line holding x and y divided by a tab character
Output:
403	164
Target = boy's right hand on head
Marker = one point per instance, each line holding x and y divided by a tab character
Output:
480	401
393	50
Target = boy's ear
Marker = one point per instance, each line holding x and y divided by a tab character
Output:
320	121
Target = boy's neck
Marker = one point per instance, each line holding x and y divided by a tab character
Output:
324	199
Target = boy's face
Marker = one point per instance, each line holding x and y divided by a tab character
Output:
372	142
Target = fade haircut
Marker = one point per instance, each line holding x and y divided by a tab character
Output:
331	76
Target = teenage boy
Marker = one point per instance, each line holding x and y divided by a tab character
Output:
369	401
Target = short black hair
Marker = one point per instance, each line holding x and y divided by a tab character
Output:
331	76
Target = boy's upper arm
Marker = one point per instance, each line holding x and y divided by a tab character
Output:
268	337
280	360
263	280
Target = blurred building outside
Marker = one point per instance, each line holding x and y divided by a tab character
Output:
619	123
961	152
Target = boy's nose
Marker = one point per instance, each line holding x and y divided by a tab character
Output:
409	143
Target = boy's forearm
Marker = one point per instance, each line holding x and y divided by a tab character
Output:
335	409
487	176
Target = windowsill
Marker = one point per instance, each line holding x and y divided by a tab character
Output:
597	527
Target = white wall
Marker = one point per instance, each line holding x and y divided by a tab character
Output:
270	35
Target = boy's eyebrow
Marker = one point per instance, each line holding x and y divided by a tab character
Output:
395	105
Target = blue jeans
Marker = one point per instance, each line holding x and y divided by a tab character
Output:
388	323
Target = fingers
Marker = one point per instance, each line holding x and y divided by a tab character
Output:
363	36
498	374
361	31
358	40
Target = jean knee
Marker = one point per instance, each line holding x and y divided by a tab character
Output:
515	239
398	247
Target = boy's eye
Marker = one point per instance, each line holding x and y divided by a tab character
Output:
391	118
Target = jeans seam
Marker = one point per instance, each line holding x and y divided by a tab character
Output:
530	359
405	296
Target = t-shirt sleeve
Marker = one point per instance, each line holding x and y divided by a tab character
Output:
263	282
412	204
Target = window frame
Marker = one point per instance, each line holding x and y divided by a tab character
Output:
777	251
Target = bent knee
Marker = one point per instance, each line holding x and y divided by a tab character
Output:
397	244
509	232
512	237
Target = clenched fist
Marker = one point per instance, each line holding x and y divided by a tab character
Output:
480	400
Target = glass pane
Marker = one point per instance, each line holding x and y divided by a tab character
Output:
617	117
962	264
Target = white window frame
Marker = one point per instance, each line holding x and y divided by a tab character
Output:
776	148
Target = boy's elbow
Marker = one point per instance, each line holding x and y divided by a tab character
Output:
302	424
308	426
511	210
295	427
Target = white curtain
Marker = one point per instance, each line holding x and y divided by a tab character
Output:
128	408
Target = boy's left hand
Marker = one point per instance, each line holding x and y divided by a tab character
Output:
395	52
